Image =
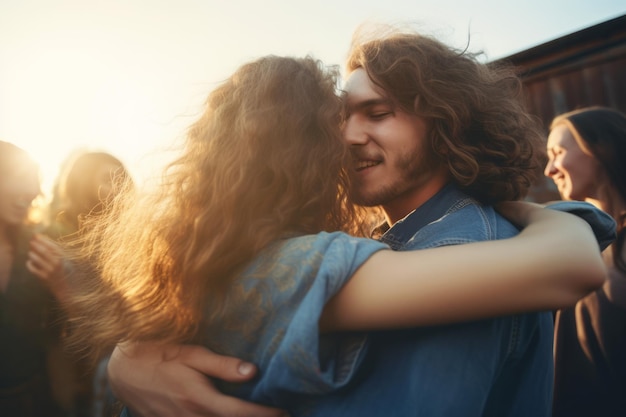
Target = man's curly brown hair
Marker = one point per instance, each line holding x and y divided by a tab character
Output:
493	147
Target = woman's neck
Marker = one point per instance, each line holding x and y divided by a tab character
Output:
596	203
614	206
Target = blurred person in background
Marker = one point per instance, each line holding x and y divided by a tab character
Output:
587	161
27	306
87	182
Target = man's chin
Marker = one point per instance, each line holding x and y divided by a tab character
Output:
364	200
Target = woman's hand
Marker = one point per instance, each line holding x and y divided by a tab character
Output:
47	261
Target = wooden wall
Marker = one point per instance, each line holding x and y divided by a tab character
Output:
581	69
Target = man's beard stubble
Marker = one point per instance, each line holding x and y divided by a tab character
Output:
414	170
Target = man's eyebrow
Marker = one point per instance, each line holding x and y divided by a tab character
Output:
365	103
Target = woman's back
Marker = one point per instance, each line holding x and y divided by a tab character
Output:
272	317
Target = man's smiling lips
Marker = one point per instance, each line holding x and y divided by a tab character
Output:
361	164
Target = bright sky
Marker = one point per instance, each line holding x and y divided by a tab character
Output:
128	76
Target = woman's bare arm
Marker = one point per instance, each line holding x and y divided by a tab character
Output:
552	263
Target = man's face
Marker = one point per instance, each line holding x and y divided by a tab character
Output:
391	154
572	169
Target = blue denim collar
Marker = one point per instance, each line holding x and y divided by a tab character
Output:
448	199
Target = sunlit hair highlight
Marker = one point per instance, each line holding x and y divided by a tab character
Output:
15	161
493	148
75	193
263	162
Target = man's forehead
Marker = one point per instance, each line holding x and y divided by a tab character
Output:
358	82
359	89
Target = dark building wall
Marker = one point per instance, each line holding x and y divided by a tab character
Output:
582	69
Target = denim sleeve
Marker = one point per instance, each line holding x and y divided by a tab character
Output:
603	225
305	362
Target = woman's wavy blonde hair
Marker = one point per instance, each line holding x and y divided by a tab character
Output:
264	162
493	148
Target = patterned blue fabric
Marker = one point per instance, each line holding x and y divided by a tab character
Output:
273	312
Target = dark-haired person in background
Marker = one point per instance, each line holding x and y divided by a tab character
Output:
587	151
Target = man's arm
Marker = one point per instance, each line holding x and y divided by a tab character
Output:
155	380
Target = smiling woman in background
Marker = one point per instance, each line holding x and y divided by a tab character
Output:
587	151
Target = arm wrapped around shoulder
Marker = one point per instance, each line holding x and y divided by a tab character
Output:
552	263
602	224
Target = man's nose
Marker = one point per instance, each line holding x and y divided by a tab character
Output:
353	132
